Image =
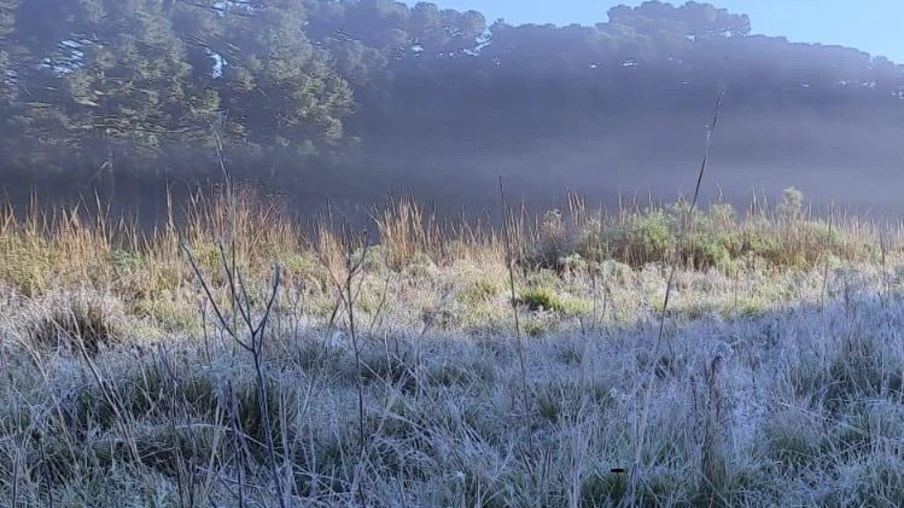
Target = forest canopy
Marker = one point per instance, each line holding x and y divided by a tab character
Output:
143	87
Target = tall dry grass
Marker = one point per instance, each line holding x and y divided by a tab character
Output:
390	375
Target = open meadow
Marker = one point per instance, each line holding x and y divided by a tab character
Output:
242	361
384	254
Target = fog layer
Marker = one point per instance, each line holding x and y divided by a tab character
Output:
344	103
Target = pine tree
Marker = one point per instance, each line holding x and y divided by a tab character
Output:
7	24
282	91
108	82
131	92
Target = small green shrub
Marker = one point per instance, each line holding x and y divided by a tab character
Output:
707	249
573	263
305	268
643	238
480	291
764	242
542	298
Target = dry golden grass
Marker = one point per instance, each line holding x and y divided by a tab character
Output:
121	387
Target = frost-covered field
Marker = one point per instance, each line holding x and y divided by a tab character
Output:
772	384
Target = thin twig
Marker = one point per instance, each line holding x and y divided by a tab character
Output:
635	470
348	296
506	233
254	345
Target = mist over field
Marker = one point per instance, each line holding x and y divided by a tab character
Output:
363	253
349	101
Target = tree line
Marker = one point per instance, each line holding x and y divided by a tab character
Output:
93	88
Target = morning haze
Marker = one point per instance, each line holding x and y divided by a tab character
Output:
364	253
349	101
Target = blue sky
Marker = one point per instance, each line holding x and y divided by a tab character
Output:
874	26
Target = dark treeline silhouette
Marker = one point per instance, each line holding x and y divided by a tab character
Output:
347	99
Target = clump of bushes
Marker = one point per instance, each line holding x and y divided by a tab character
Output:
642	238
542	298
74	322
715	238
